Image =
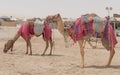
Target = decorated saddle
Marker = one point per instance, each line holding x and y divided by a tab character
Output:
108	36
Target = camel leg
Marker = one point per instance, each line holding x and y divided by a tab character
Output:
96	42
26	47
90	44
82	52
47	45
112	52
51	45
29	45
84	42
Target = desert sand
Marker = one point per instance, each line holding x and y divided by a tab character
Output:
64	61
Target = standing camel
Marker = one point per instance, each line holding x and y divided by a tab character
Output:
84	34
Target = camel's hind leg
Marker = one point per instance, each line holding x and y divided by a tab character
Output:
112	52
26	47
87	40
82	53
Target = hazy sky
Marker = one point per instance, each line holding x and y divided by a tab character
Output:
67	8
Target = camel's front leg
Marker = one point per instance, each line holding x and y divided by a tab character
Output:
30	46
112	52
96	43
82	53
47	45
26	47
84	42
51	46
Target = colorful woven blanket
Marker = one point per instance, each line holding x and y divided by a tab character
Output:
81	28
108	37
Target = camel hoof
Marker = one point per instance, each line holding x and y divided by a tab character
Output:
42	54
106	66
30	54
94	47
26	53
11	53
50	54
82	66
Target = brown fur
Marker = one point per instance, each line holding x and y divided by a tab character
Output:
8	45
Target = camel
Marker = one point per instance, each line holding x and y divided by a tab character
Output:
58	20
46	32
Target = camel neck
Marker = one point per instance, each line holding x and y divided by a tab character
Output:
60	26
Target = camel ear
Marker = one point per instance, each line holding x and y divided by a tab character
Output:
58	14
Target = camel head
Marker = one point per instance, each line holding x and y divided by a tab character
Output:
53	18
7	46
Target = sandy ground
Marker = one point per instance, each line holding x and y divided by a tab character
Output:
64	61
